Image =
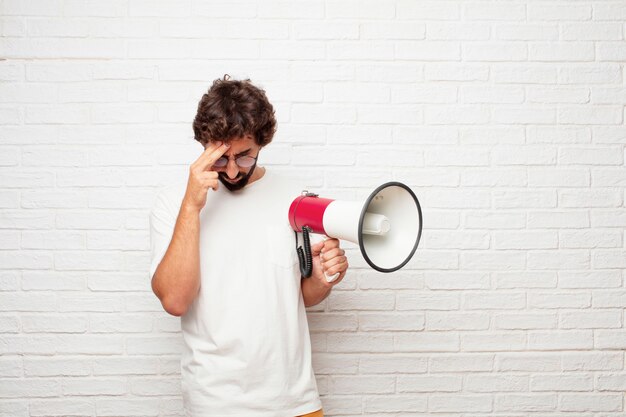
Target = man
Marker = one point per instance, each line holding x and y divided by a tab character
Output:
225	262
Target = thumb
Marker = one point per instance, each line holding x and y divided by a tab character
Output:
317	248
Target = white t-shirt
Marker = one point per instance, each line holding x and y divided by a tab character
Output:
247	349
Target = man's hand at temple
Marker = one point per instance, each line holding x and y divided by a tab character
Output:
328	260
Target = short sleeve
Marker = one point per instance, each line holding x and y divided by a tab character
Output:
162	222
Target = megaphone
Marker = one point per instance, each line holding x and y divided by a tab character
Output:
387	226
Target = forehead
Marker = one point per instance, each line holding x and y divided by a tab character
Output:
238	145
241	144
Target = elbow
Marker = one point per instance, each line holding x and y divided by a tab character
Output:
174	307
171	304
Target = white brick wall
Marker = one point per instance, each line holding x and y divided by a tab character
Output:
505	117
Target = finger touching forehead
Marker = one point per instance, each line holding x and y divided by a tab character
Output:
239	145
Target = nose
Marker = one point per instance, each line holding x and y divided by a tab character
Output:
232	169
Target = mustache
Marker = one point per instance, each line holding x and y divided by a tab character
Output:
225	177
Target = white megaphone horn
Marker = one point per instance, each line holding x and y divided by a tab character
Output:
387	226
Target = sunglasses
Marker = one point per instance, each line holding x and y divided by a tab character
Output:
242	161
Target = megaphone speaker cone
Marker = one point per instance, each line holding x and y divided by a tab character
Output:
390	251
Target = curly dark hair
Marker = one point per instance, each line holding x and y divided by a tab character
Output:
234	108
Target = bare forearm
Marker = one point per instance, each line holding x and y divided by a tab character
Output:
177	279
313	292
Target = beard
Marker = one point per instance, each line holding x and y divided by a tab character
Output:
239	184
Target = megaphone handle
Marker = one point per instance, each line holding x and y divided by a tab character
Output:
333	277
